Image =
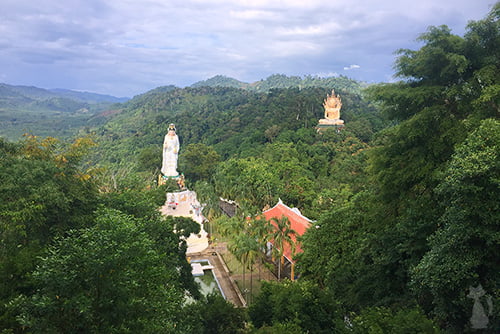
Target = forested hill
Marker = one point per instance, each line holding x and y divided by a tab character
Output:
233	121
18	96
43	112
283	81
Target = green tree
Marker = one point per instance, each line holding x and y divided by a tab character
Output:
251	182
301	303
441	99
246	249
43	193
378	320
198	161
205	193
282	235
215	315
261	229
107	278
149	159
338	255
462	252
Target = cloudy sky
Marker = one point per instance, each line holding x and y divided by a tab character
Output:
126	47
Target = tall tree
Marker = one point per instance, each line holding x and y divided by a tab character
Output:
107	278
302	303
462	251
442	98
246	249
198	162
43	193
261	229
281	236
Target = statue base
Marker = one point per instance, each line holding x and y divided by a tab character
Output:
179	179
162	179
330	124
326	121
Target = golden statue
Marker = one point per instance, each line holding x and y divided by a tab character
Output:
332	105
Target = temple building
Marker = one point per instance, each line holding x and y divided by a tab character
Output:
332	105
298	223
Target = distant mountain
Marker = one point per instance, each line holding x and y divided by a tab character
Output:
57	112
36	93
88	97
26	91
29	98
282	81
221	81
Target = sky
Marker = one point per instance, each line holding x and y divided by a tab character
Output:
127	47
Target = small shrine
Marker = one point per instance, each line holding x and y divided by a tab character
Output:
332	105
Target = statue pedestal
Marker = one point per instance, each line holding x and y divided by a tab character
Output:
162	179
325	124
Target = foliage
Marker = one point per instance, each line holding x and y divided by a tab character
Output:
249	181
141	203
277	81
232	121
215	315
281	235
436	106
280	328
42	195
406	214
107	278
462	250
379	320
47	196
426	215
301	303
198	161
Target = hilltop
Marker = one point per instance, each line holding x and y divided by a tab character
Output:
282	81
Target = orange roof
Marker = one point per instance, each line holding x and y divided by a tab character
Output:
298	222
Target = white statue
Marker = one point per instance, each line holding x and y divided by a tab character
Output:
170	153
479	318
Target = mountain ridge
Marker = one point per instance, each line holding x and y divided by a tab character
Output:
283	81
37	93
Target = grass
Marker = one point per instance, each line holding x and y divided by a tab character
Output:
236	271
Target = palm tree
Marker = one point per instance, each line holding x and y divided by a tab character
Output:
228	227
281	236
246	249
261	230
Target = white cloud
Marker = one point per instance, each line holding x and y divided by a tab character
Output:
351	67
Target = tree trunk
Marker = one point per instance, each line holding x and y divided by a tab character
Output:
279	269
251	284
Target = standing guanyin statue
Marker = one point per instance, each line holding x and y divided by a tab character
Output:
170	153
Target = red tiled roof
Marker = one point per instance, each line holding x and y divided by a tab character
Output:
298	222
